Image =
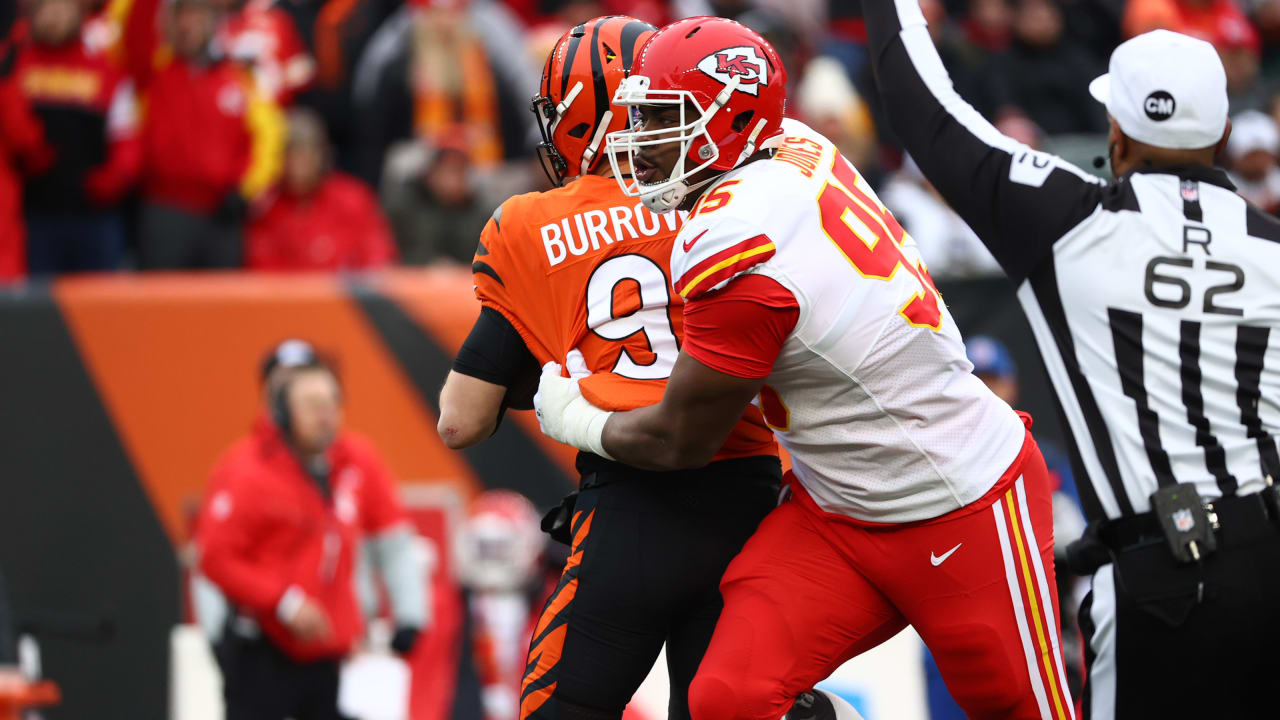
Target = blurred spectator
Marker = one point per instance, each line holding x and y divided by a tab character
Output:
950	249
447	65
506	585
320	219
1266	19
556	17
89	114
213	146
1047	77
1021	128
965	50
774	27
1221	22
22	151
828	102
1093	26
103	29
433	197
1252	150
277	534
263	37
337	35
989	24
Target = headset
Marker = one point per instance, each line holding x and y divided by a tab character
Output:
280	413
296	355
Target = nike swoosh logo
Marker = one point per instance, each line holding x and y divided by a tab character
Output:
688	244
939	560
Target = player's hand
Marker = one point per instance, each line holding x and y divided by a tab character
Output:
310	622
404	639
563	413
554	394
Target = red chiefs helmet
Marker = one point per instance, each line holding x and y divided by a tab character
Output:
581	75
730	86
500	542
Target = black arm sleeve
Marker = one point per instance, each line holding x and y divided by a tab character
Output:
495	352
1019	201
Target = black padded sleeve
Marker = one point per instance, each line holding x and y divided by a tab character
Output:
495	352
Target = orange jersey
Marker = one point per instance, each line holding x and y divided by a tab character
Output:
585	267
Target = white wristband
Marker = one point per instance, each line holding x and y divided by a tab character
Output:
584	426
565	415
594	433
290	603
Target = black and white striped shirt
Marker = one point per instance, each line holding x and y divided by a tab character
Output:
1153	298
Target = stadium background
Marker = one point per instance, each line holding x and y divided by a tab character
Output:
120	387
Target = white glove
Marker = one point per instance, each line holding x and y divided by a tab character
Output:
563	413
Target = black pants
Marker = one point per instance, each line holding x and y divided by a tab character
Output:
645	564
172	238
74	242
1166	640
259	682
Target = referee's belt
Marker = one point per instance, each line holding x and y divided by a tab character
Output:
1239	519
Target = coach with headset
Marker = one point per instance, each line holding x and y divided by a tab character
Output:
1155	301
279	535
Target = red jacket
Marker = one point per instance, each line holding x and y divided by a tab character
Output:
338	227
207	132
265	527
264	37
90	116
22	150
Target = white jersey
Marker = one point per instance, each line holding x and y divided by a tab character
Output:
872	394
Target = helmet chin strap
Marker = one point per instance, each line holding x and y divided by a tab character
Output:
670	198
667	199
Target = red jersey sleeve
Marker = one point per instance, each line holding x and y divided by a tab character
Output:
380	507
227	533
739	330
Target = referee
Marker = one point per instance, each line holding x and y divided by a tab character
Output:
1153	299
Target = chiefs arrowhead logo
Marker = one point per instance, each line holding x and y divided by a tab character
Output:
743	62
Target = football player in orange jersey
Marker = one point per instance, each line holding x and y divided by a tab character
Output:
583	266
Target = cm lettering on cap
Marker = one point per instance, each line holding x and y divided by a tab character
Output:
1159	106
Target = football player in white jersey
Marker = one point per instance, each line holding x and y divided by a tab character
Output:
917	495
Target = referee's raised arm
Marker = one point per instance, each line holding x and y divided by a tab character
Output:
1155	304
1018	200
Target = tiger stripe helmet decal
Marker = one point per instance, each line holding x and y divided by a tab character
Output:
574	107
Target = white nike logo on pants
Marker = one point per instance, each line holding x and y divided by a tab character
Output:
939	560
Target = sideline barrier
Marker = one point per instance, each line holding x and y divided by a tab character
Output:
119	392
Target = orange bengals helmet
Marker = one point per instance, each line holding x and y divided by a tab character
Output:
574	107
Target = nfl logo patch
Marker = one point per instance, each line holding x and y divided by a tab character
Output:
1190	191
1183	520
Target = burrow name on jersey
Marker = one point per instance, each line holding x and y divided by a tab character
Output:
583	232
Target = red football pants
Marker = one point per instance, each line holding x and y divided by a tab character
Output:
812	589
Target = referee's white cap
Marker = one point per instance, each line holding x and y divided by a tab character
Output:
1166	89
